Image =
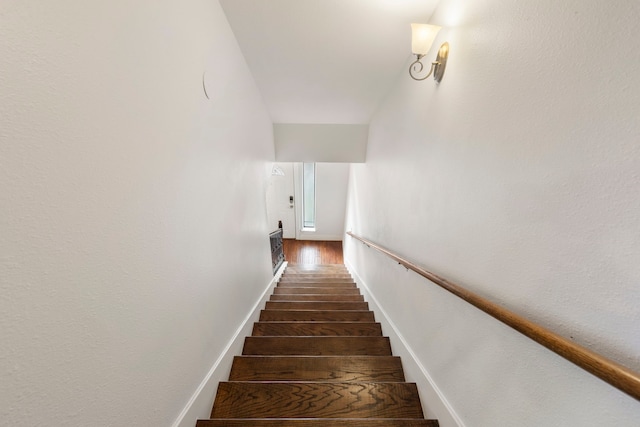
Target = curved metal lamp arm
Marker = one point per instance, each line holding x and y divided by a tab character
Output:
417	67
437	66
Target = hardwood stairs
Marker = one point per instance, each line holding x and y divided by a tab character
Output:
317	358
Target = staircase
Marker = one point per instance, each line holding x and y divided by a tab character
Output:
317	358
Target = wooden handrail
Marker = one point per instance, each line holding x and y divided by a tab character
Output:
613	373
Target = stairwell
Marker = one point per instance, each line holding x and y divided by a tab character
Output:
317	358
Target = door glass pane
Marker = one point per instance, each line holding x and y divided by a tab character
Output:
308	195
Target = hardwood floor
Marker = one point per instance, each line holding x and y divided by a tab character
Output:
312	252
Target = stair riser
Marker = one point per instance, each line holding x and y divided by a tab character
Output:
315	305
316	315
317	275
317	285
326	271
317	297
318	422
315	291
312	279
330	369
315	279
317	346
352	329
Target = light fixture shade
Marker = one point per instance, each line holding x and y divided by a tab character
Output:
422	37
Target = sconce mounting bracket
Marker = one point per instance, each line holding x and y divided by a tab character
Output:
441	60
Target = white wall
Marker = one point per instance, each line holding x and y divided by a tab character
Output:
518	177
132	211
320	142
332	182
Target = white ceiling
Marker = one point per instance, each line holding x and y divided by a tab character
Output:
325	61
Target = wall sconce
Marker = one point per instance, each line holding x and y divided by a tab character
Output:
422	37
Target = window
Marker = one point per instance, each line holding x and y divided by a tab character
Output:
309	196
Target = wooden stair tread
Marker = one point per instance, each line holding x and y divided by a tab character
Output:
317	315
291	290
317	422
297	270
316	284
315	279
317	400
316	297
319	275
320	272
317	346
316	329
317	368
316	305
301	284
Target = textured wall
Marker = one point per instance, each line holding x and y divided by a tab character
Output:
320	142
518	177
133	235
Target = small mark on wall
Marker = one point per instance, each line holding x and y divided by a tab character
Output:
204	85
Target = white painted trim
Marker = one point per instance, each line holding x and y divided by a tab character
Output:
426	385
297	190
199	405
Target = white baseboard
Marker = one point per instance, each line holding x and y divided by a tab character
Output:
199	406
434	403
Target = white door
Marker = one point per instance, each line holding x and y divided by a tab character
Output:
281	200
